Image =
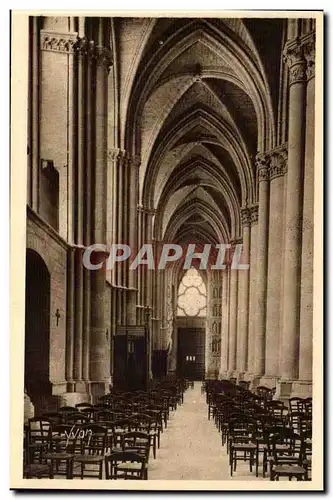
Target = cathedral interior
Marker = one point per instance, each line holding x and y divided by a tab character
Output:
169	131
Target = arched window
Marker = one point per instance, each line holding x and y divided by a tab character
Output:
192	295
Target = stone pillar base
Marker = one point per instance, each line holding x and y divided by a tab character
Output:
81	386
232	374
248	376
223	375
48	403
74	398
269	381
283	390
301	389
98	389
255	382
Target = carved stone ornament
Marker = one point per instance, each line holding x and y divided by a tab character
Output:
254	214
58	42
310	56
121	155
294	58
262	164
116	154
102	56
246	216
278	161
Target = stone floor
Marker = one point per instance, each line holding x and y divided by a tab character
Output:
191	446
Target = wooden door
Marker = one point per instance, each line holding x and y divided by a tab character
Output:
191	353
130	358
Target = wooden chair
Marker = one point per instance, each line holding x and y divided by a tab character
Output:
242	443
37	439
61	452
120	427
137	442
286	456
93	446
83	406
296	405
104	416
244	384
76	418
144	423
125	465
37	471
65	409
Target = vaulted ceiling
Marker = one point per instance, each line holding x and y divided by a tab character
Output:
197	100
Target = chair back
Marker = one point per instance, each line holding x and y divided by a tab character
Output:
124	465
38	429
93	439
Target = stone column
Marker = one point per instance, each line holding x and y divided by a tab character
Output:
243	301
213	347
87	221
252	293
277	170
78	332
99	359
293	224
224	324
233	321
304	385
70	320
261	268
134	164
35	113
81	53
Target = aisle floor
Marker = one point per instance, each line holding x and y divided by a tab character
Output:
191	446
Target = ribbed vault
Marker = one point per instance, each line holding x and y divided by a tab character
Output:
196	109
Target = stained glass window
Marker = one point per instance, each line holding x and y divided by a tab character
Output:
192	295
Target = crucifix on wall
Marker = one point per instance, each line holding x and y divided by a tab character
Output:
57	315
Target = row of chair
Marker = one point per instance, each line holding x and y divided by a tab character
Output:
257	429
118	432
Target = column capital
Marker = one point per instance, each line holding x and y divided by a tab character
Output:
294	58
262	165
81	46
254	214
146	210
278	164
116	154
236	241
246	216
103	57
58	42
310	54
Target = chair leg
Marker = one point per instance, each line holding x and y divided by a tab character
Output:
264	464
154	446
